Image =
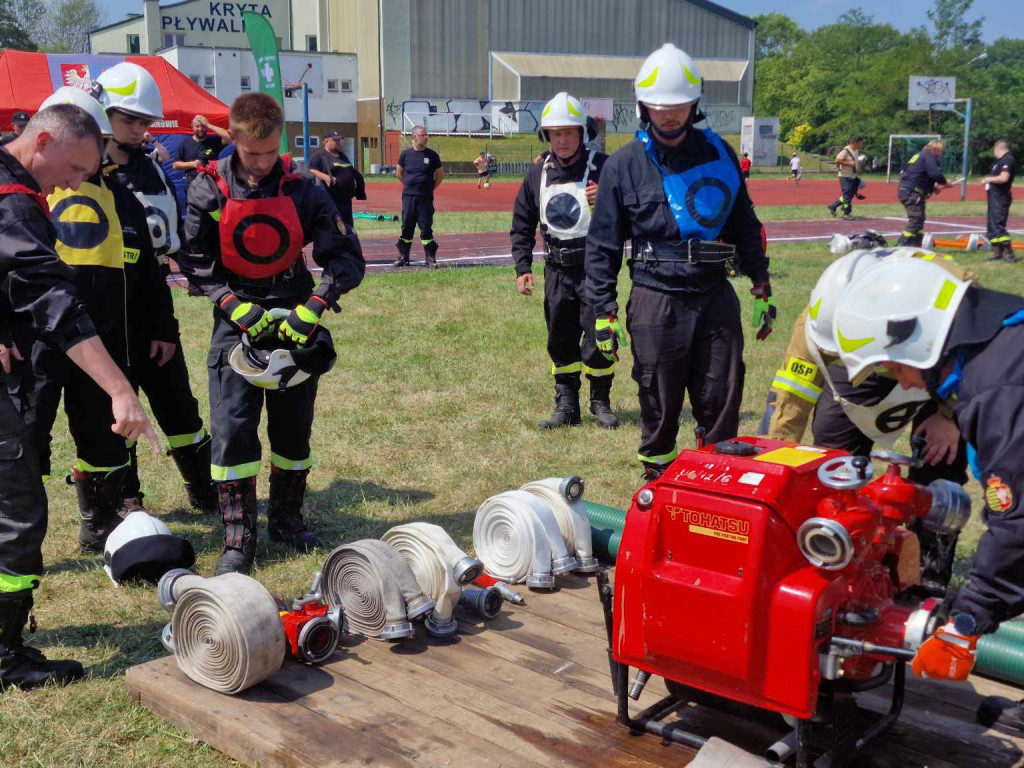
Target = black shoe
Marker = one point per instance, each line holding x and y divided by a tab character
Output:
566	413
1009	257
997	255
1001	711
284	512
99	499
600	401
401	261
430	254
21	665
832	208
193	462
847	217
236	500
232	561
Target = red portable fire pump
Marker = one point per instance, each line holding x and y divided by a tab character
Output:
778	576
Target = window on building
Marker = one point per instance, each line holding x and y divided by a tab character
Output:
171	40
346	86
133	44
208	82
314	142
194	79
246	84
332	86
311	43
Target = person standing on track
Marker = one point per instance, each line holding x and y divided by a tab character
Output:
794	169
343	181
999	186
920	180
678	193
483	171
745	164
848	164
421	172
558	195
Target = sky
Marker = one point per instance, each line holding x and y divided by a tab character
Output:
1000	20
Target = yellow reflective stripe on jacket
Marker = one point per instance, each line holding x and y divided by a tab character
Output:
597	372
662	460
9	583
279	461
571	368
802	389
237	472
182	441
83	466
88	227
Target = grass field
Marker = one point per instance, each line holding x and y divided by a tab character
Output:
431	408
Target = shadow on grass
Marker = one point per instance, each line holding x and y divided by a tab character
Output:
134	644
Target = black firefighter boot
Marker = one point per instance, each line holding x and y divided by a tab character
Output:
1008	256
601	401
567	402
21	665
284	512
430	254
236	500
131	488
193	462
99	501
404	249
997	253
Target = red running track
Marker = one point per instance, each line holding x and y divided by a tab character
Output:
386	197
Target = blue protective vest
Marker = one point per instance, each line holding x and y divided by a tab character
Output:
955	380
700	198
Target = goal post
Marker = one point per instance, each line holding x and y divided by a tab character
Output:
902	147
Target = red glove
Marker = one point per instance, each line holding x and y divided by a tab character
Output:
946	655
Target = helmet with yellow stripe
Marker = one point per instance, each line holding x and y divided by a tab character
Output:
131	89
563	111
900	311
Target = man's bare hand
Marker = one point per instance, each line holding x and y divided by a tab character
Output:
591	192
6	353
130	421
942	439
525	284
162	352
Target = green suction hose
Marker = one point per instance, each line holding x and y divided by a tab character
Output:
606	524
1001	656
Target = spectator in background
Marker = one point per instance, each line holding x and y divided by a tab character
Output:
204	146
999	186
19	121
420	170
334	169
151	146
745	165
483	171
848	163
794	169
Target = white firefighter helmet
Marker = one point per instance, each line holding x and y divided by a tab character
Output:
130	88
282	367
143	547
668	78
563	111
899	311
70	95
833	281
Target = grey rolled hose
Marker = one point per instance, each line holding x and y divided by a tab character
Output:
426	552
563	496
374	587
225	632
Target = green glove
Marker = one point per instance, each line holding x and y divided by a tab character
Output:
610	336
249	317
765	310
302	321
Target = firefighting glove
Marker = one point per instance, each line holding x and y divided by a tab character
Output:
610	336
946	655
764	309
302	321
249	317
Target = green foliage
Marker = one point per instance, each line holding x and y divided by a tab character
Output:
65	28
12	33
851	78
776	35
798	135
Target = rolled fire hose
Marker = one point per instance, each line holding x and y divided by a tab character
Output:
606	525
563	496
375	588
465	568
517	538
225	632
431	564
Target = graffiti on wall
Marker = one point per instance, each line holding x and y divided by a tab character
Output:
481	116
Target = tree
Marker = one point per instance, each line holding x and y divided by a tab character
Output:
776	35
67	24
952	30
29	14
13	34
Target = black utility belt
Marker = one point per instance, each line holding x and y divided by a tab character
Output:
572	256
692	251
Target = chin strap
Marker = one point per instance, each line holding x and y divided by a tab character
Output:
129	148
645	122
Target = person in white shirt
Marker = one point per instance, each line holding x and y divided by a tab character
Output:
794	169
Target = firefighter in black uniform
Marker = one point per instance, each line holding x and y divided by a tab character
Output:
60	147
920	180
999	186
932	331
558	195
343	181
245	229
421	172
676	191
158	365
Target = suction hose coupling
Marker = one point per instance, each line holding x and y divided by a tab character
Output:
486	602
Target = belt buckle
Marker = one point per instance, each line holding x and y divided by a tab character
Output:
689	249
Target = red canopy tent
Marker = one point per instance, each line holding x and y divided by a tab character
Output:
27	78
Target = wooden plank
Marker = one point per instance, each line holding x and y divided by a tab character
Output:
257	727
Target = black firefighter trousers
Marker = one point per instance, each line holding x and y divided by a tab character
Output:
22	502
685	343
996	215
914	204
570	320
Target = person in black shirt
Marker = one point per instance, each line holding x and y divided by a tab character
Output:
558	195
677	192
999	185
19	121
204	146
920	180
421	172
334	169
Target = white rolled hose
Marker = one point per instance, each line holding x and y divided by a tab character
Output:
225	632
375	588
517	538
431	565
464	568
564	497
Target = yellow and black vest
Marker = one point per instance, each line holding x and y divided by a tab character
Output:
88	228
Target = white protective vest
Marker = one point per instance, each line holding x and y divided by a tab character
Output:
884	421
161	217
564	210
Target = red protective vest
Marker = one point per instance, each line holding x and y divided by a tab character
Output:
21	189
259	237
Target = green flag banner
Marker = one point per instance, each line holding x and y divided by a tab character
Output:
263	43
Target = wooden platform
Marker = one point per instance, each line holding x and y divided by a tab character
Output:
530	688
